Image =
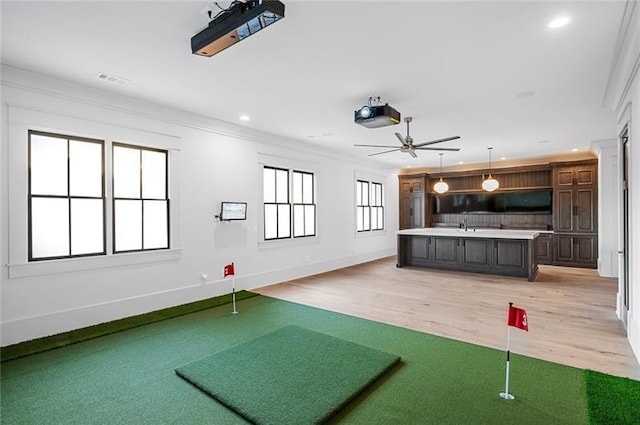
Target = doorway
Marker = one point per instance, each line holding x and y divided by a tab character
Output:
625	155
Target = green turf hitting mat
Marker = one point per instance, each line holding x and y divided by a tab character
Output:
289	376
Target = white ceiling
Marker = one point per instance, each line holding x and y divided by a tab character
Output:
458	68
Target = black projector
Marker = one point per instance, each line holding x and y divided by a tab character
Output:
376	116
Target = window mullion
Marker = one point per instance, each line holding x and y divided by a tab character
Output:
69	192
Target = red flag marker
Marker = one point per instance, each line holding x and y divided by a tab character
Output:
518	318
229	270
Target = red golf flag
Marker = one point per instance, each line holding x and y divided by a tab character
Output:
229	270
518	318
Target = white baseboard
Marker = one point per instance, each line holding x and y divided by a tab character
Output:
25	329
633	334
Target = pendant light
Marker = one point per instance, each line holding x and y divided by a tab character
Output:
490	184
441	186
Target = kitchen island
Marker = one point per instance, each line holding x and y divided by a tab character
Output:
501	252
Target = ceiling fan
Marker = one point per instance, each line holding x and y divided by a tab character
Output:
409	147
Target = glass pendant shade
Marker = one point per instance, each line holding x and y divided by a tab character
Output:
441	186
490	184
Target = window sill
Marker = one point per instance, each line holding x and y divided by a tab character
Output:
39	268
371	234
282	243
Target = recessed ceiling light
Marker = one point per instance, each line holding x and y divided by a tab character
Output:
244	118
574	150
525	94
460	162
503	158
559	22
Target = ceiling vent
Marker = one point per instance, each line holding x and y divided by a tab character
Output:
112	79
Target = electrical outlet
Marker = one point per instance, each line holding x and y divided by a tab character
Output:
204	276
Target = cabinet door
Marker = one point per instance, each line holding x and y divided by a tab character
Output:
545	249
418	248
586	251
415	185
564	249
563	210
411	211
576	250
585	175
585	210
477	254
563	177
511	254
444	251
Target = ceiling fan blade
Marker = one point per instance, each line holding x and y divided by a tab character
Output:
399	136
380	153
412	153
446	139
438	149
375	146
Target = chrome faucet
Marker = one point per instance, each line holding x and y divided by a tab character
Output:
464	223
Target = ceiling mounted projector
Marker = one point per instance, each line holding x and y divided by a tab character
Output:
236	23
376	116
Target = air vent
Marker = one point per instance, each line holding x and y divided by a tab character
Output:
112	79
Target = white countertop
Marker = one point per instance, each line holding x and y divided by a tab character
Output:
471	233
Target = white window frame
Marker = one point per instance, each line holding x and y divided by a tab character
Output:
68	197
20	120
141	198
367	207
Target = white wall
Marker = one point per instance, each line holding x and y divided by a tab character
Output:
608	206
211	161
623	96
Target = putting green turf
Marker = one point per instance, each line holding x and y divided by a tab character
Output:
128	377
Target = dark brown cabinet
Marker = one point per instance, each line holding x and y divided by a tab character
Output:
545	248
575	216
575	250
508	257
412	201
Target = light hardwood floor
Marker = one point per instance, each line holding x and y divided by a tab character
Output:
571	311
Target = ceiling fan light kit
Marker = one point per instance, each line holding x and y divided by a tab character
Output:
490	184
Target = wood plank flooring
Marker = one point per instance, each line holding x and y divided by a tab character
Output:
571	311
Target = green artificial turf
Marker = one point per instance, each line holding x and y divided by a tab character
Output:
129	377
612	400
65	338
291	376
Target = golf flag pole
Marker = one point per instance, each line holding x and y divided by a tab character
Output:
517	317
229	270
233	294
505	395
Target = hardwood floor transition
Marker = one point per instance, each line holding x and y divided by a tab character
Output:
571	311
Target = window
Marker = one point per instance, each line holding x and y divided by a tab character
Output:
369	206
362	206
140	200
289	203
65	196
